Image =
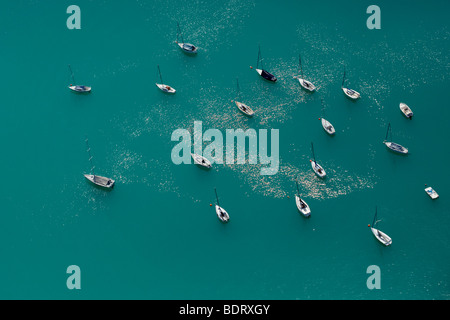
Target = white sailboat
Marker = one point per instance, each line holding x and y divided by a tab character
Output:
201	161
260	70
317	168
327	126
186	47
100	181
352	94
406	110
164	87
392	145
245	109
302	206
379	235
221	213
78	88
307	85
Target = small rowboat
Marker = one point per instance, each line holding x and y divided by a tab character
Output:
327	126
245	109
200	160
80	89
432	193
406	110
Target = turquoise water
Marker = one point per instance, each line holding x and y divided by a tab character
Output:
155	235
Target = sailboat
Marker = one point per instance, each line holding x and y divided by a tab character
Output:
406	110
186	47
263	73
164	87
78	88
200	160
303	82
327	126
352	94
221	213
302	206
381	236
245	109
392	145
320	172
95	179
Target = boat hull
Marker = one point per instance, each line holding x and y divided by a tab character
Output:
266	75
80	89
328	127
188	48
222	214
245	109
307	85
302	208
165	88
381	237
100	181
201	161
352	94
318	170
395	147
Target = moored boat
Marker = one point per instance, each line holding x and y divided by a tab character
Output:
406	110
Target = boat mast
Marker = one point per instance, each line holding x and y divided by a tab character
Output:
375	217
237	88
343	79
90	157
300	65
160	76
179	34
259	59
314	156
71	73
298	191
217	198
388	130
